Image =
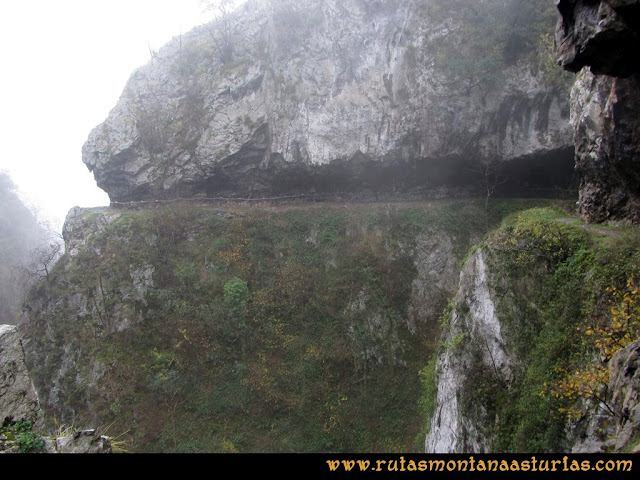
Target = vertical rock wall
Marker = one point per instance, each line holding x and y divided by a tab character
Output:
18	397
601	38
473	346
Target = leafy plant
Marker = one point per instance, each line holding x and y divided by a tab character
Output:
27	440
585	385
236	296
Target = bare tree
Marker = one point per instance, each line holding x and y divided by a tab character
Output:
491	176
222	28
42	259
46	252
29	246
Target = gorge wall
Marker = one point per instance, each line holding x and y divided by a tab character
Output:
316	326
600	39
252	329
518	368
358	96
326	327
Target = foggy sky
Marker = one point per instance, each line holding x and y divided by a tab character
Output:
64	66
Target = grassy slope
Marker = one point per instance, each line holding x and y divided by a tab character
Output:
550	274
251	338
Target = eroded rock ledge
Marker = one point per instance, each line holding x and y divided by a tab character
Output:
602	38
602	35
320	98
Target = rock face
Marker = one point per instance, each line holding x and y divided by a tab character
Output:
18	397
600	34
506	339
346	291
319	97
83	441
474	346
19	403
624	375
604	36
607	133
597	433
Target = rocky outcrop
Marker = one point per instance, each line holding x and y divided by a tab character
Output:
624	382
18	397
19	405
83	441
607	134
473	348
616	428
319	97
510	339
604	36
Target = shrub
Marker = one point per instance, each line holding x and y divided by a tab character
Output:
26	439
236	296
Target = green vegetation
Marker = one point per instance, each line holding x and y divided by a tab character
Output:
263	330
553	279
427	399
490	36
236	296
26	439
585	386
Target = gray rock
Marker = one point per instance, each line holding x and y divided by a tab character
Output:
600	34
18	397
318	97
604	36
83	441
437	269
473	342
601	431
606	134
624	382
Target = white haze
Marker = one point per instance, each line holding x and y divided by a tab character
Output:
64	66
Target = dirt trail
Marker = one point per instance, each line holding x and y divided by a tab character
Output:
591	228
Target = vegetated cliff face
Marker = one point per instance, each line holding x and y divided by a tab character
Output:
18	397
21	418
304	97
248	329
474	346
602	38
521	339
528	301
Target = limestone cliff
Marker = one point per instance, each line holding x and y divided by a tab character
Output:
602	37
474	346
305	97
18	397
22	421
607	134
515	332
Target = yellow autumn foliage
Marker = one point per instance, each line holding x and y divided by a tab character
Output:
619	329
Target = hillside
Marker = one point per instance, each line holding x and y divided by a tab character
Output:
352	226
203	328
